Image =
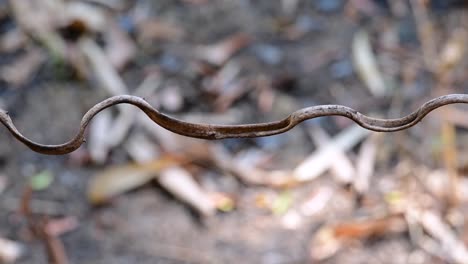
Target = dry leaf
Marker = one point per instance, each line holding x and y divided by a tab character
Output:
323	158
91	16
154	30
219	53
10	251
224	77
230	93
450	244
169	141
453	115
171	98
181	184
453	51
40	19
107	134
223	202
58	227
119	179
23	68
97	141
425	32
12	40
105	72
366	64
366	164
244	167
328	240
140	148
292	220
120	48
112	133
317	201
342	168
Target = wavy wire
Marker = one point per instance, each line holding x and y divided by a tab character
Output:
210	131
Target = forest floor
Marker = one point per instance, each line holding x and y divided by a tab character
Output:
325	192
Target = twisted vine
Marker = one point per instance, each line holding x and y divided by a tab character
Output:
210	131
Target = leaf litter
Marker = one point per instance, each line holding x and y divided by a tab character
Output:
301	185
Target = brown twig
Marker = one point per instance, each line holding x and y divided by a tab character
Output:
209	131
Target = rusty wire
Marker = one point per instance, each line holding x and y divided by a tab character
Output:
210	131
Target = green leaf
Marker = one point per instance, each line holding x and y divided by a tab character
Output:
282	203
41	181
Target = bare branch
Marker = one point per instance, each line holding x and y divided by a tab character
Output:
210	131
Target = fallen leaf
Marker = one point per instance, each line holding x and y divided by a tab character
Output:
41	181
92	16
154	30
366	64
341	168
450	244
21	71
119	179
39	20
244	167
140	148
328	240
60	226
282	203
231	93
219	53
171	98
97	143
426	32
454	115
120	48
366	164
10	250
317	201
453	51
323	158
12	40
107	132
223	202
103	69
181	184
292	220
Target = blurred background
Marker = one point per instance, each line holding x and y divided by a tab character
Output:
324	192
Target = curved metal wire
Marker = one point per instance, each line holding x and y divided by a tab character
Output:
211	131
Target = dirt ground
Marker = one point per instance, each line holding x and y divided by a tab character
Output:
297	54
